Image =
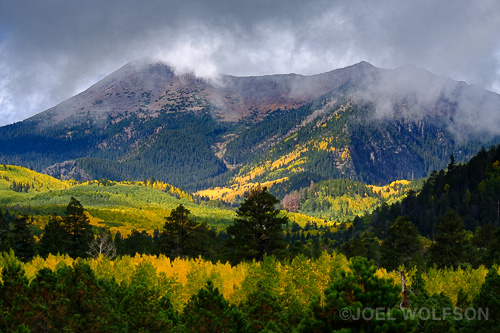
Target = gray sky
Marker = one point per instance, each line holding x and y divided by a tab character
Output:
50	50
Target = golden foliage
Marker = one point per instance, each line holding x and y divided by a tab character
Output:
300	280
37	181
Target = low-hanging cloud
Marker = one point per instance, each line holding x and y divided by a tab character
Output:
54	49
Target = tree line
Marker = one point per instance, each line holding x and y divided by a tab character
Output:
453	221
257	230
74	298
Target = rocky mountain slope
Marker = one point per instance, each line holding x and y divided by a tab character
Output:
359	122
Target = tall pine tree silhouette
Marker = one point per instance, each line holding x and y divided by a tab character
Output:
78	226
257	230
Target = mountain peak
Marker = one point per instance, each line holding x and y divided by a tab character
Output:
144	120
364	64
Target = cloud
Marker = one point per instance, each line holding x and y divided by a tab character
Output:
54	49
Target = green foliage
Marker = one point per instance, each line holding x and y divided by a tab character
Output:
80	232
264	311
137	242
451	242
71	234
208	311
258	228
120	207
139	294
144	306
182	236
402	245
341	200
5	239
14	295
365	245
421	302
488	300
484	243
92	302
23	242
470	189
54	238
493	250
357	293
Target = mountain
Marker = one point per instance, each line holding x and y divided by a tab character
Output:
359	122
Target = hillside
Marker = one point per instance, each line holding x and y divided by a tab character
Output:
122	206
143	205
471	190
334	200
117	206
360	122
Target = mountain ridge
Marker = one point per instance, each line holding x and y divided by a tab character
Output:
359	122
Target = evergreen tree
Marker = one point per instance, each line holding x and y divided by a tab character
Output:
144	305
119	243
5	239
448	249
49	309
451	165
138	242
208	311
351	301
262	308
364	245
402	245
55	237
419	299
14	295
92	301
257	230
182	236
483	244
79	229
23	242
493	252
488	300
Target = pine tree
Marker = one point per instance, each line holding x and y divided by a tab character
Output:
257	230
208	311
261	308
44	300
119	243
14	294
402	245
5	239
144	305
419	299
23	242
92	301
138	242
55	237
488	300
351	302
448	250
182	236
365	245
79	229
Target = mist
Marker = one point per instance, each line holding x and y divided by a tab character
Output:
413	93
50	51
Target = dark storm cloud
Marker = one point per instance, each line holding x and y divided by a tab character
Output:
51	50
